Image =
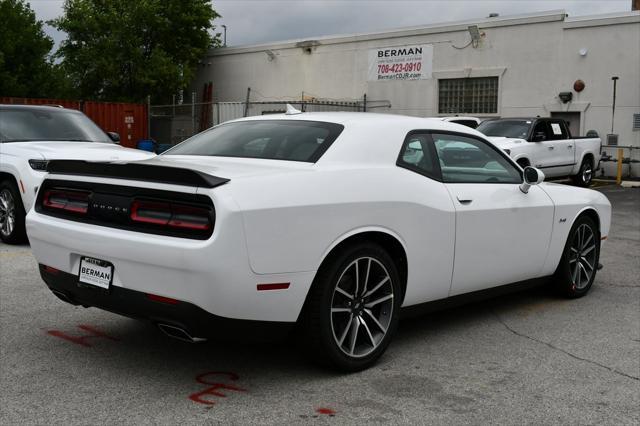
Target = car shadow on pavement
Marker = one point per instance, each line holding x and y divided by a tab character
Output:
142	341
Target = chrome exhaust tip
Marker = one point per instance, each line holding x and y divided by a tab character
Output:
179	333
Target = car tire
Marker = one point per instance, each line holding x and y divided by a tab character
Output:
12	214
585	175
579	263
347	326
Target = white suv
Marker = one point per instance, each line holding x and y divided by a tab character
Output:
32	135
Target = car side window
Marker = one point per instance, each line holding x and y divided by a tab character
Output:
541	132
557	130
417	154
468	160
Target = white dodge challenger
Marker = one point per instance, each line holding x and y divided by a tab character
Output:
335	222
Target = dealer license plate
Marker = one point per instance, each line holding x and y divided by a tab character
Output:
95	272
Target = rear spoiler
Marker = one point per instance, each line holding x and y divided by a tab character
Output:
132	171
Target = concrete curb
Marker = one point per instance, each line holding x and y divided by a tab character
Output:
624	183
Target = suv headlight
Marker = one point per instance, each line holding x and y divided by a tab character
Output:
39	165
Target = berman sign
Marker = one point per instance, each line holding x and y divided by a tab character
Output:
401	63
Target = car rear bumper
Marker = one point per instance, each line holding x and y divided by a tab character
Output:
213	275
177	314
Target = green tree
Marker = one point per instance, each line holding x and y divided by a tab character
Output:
125	50
26	68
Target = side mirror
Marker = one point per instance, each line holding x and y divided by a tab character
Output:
114	137
532	176
539	137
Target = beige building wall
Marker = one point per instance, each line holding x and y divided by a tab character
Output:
534	56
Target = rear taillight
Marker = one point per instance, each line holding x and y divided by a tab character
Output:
187	217
176	216
151	212
66	200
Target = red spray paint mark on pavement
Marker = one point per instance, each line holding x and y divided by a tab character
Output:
214	387
326	411
82	339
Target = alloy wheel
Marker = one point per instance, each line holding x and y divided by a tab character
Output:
361	307
7	212
582	256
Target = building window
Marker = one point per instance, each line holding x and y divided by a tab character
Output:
636	121
468	95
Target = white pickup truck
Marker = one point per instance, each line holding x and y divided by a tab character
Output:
546	143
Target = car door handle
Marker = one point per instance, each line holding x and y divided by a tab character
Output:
464	200
550	148
569	146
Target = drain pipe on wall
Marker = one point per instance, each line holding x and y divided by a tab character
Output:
613	105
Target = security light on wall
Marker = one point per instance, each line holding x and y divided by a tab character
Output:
565	97
475	34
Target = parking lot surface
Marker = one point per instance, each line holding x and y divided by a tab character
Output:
524	358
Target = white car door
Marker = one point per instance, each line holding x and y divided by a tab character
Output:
502	234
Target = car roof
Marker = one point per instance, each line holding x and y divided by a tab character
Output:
36	107
364	118
372	132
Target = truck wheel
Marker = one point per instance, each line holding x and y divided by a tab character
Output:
12	229
585	175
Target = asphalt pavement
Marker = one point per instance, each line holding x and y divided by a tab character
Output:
526	358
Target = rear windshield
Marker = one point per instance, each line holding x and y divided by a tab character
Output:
293	140
506	128
29	125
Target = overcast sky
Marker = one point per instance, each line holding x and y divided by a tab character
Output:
260	21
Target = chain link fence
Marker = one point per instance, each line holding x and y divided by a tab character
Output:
171	124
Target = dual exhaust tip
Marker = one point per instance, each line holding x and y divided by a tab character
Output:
179	333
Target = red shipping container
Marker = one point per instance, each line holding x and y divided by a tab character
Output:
127	119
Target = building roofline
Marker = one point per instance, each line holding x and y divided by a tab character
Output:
500	21
616	18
